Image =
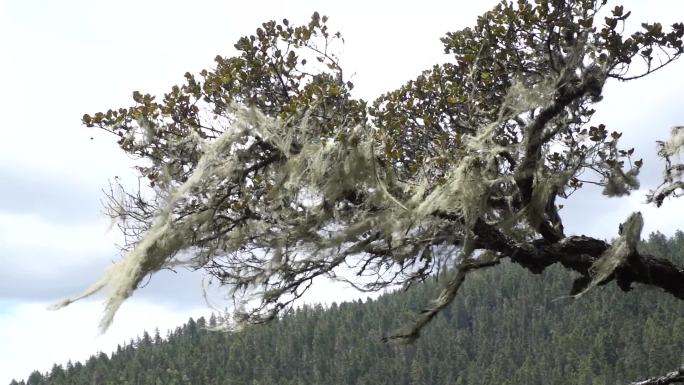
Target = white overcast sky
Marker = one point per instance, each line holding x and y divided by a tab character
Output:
61	59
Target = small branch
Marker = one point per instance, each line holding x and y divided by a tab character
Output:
658	196
445	298
670	378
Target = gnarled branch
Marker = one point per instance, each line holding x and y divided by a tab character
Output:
669	378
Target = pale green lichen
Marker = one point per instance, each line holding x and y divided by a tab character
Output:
676	142
545	187
617	253
620	183
672	185
299	223
163	240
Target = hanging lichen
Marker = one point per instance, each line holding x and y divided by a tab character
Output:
269	174
617	254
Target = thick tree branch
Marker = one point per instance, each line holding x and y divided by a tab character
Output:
674	377
579	253
536	139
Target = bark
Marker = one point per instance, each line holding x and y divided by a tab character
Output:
579	253
674	377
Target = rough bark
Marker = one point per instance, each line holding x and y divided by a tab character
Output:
673	377
579	253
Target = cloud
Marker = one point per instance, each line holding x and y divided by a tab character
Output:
34	338
46	261
30	232
34	278
57	198
644	111
63	61
588	212
6	308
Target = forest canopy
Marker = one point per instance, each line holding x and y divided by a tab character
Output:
511	333
266	173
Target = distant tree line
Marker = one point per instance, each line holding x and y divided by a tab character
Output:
519	331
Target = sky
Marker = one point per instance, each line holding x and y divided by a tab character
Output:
61	59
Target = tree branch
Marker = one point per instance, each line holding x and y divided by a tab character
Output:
524	178
445	298
670	378
579	253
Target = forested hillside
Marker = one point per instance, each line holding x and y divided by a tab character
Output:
505	327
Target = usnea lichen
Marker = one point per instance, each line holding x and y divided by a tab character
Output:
324	202
324	170
672	185
618	253
676	142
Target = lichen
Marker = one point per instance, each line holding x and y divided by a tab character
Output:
620	183
617	253
299	223
676	142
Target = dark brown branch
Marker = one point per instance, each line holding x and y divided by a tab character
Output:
670	378
579	253
535	140
445	298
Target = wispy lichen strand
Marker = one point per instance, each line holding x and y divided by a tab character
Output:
322	171
269	175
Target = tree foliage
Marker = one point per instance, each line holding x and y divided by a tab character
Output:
268	173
